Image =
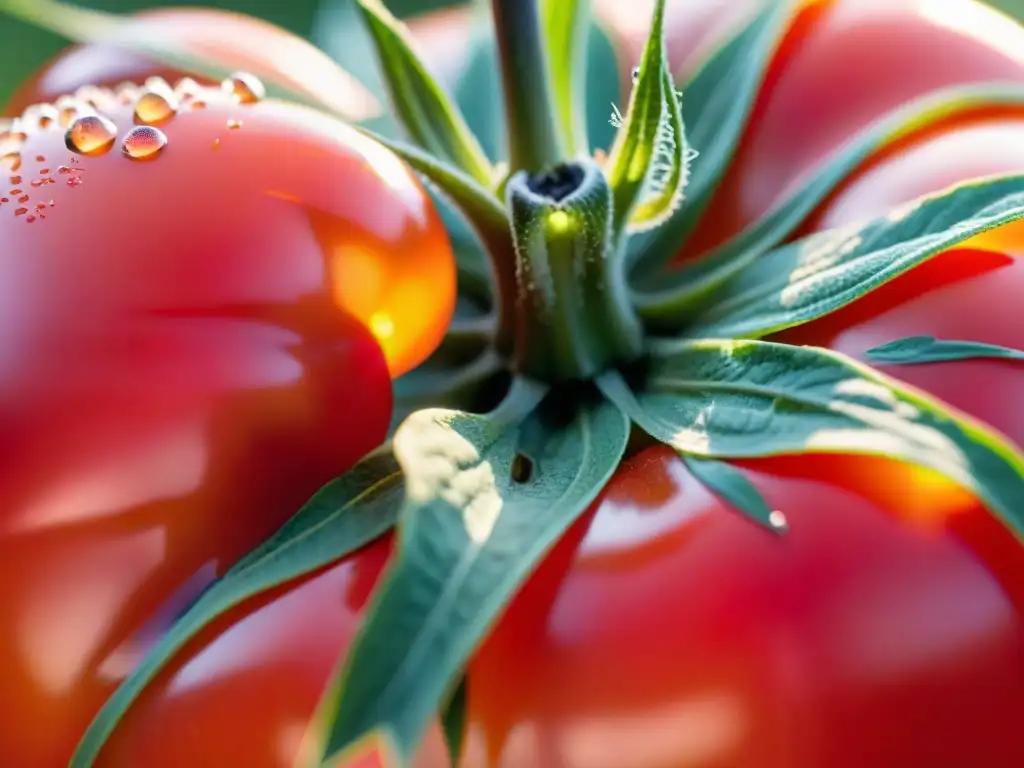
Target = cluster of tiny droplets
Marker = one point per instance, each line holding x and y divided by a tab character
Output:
87	132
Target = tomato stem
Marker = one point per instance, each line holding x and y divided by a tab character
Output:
534	139
575	318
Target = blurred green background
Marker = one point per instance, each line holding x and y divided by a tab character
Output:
23	48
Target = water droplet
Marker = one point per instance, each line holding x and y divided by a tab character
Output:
246	88
143	143
23	199
778	521
70	108
196	104
90	135
15	179
17	191
99	98
40	206
234	125
216	143
64	170
40	158
37	183
155	107
40	116
12	160
20	211
75	181
11	141
186	87
30	219
4	200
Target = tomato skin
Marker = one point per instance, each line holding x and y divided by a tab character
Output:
866	637
842	66
886	629
237	41
185	360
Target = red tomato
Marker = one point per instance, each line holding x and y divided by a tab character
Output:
185	359
665	631
237	41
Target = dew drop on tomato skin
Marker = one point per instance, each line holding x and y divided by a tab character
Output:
90	135
178	374
143	143
154	107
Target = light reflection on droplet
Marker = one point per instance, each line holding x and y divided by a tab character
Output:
90	135
143	142
246	88
154	108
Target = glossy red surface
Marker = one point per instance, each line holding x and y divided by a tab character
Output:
665	631
184	359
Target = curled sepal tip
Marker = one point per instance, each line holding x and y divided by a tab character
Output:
648	165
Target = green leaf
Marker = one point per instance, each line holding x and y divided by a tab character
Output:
744	399
475	202
453	722
477	91
667	300
729	484
645	167
470	535
438	383
566	27
828	270
302	73
716	106
429	116
914	350
345	515
603	85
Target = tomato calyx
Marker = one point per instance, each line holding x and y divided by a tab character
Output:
515	425
575	316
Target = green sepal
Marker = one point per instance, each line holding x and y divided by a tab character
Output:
667	299
477	204
730	485
475	275
645	167
716	106
344	516
428	114
728	399
915	350
341	93
813	277
566	26
469	535
454	721
466	386
477	91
